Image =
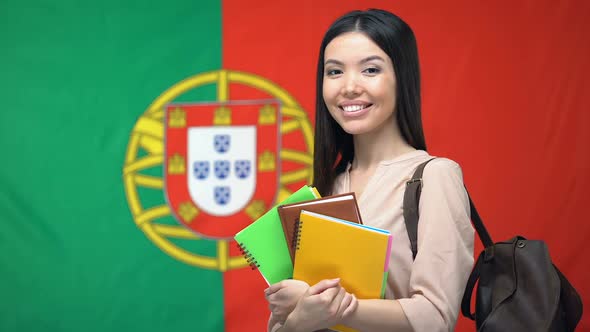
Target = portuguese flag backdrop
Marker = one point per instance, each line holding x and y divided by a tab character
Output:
87	241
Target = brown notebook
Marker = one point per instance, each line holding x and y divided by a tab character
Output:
341	206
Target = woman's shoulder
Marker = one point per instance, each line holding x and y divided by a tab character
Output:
442	163
443	167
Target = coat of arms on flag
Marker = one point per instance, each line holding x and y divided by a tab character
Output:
221	166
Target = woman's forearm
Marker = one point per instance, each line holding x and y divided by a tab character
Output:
379	315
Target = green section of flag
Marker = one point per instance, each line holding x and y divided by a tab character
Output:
75	77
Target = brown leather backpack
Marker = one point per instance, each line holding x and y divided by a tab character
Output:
519	289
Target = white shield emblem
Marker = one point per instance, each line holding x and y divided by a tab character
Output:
222	159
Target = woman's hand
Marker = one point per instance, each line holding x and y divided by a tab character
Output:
283	296
323	305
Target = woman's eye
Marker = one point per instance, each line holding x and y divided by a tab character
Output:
333	72
372	70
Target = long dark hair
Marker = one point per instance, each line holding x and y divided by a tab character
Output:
333	147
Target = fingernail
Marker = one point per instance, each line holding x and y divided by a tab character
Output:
336	279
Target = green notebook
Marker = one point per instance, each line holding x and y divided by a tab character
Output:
263	242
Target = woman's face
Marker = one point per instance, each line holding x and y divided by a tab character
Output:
359	84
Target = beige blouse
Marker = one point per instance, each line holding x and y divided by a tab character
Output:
430	288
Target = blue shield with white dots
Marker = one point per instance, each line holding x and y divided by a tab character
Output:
221	143
222	169
222	194
243	168
201	169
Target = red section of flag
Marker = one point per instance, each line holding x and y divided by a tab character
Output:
503	94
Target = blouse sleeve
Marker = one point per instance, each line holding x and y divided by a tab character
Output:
445	250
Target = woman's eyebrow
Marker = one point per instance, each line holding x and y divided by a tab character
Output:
367	59
371	58
332	61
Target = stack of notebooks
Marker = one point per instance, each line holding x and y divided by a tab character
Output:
339	206
310	238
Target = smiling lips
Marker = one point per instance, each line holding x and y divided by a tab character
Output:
354	109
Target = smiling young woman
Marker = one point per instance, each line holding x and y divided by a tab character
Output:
369	140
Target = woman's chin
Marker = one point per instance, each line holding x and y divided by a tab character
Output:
355	130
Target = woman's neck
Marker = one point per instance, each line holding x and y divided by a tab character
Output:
386	143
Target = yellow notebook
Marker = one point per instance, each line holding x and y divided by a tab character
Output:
334	248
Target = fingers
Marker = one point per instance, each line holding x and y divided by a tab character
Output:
327	297
322	286
337	301
346	300
287	283
274	288
278	313
351	306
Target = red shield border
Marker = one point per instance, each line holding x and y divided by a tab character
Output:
265	114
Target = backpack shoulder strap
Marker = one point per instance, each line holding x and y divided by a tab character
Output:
411	203
412	213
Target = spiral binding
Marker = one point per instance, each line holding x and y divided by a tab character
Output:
248	256
296	244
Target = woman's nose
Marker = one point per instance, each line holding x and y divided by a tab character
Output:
351	85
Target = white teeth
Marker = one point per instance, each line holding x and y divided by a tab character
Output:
353	108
